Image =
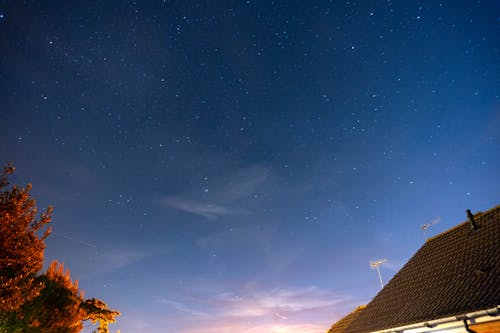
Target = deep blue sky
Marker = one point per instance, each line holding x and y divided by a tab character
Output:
233	166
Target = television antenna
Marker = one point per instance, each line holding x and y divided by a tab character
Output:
376	265
426	226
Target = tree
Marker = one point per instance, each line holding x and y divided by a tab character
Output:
97	312
37	303
21	255
57	308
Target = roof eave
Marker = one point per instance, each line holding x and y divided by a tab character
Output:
492	312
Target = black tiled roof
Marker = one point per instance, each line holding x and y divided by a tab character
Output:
342	324
454	273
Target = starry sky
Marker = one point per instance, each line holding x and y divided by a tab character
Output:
233	166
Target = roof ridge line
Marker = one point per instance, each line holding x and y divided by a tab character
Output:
479	214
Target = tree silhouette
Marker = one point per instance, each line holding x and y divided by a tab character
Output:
37	303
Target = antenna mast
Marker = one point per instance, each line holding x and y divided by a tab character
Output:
426	226
376	264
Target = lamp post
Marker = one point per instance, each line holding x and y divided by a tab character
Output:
376	264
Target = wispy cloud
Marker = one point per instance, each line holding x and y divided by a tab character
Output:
282	310
88	260
181	307
208	210
284	302
230	194
260	328
110	261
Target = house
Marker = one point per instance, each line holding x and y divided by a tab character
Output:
451	285
343	323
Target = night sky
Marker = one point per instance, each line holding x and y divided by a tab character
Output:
233	166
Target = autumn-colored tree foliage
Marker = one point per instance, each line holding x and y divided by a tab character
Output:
21	246
57	308
97	312
31	302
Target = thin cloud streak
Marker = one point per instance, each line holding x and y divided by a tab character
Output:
281	301
181	307
228	195
284	310
89	262
208	210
